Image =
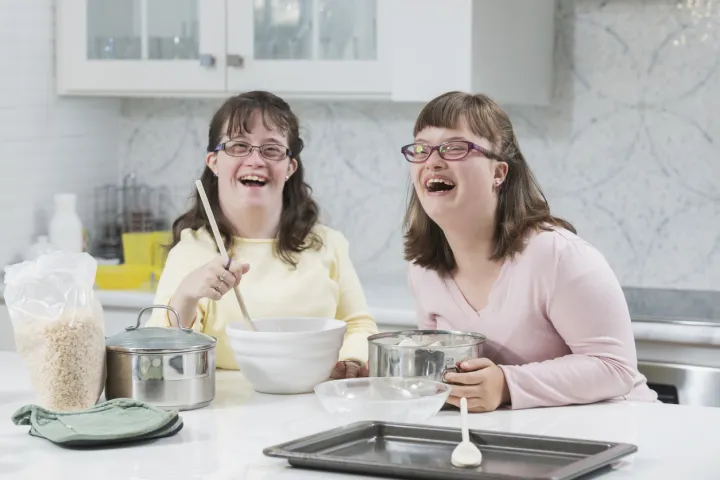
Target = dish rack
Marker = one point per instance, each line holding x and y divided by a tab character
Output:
133	234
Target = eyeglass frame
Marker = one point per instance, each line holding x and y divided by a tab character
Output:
288	152
471	146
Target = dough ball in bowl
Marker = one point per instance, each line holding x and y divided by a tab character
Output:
287	355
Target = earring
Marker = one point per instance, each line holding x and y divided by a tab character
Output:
215	173
287	177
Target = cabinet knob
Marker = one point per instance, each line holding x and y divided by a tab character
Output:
207	60
236	61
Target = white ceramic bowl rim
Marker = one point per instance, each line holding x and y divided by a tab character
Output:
333	323
445	389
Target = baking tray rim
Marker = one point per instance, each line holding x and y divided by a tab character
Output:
614	453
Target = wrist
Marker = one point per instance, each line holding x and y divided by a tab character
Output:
185	299
505	391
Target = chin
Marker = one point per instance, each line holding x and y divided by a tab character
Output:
438	213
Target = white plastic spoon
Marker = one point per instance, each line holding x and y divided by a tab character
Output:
466	454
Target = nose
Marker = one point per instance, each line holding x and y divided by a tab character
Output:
434	161
254	159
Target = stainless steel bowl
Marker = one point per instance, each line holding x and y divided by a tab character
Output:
388	359
170	368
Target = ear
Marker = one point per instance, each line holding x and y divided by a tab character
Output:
211	161
292	166
500	172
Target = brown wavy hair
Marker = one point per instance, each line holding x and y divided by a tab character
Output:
299	211
522	206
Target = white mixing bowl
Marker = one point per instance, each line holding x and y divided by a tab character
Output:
287	355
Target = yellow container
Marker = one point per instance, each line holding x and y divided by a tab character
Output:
146	248
127	277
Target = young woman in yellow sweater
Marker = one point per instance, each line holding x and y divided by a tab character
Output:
290	264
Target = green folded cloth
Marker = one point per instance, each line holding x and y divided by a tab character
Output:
116	421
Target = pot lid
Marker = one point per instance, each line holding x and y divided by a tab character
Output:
159	339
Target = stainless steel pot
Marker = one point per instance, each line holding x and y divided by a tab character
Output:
170	368
388	359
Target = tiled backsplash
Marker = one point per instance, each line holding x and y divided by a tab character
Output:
626	152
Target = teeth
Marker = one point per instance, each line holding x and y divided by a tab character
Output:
253	177
438	180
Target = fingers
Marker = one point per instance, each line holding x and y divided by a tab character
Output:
466	378
230	275
338	372
351	370
222	279
475	404
467	392
348	370
238	269
211	293
476	364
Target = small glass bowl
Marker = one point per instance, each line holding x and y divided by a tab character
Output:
389	399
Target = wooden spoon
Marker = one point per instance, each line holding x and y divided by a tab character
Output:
218	239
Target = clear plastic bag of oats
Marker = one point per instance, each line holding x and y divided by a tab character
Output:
59	328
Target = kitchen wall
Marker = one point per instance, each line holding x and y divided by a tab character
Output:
627	152
47	145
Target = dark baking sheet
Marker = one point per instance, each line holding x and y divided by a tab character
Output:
418	451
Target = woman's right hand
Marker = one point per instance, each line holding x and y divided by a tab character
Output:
211	280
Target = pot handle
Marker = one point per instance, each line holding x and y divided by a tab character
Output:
451	368
166	307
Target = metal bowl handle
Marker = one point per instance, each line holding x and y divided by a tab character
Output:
166	307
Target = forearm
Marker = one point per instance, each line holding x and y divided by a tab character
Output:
355	345
186	308
572	379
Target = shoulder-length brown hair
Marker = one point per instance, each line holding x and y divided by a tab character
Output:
299	211
522	207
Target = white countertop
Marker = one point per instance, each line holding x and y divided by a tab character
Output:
225	440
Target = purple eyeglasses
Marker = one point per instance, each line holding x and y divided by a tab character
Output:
452	151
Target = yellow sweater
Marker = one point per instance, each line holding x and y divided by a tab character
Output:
324	284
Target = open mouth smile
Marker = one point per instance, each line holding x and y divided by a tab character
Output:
439	185
253	180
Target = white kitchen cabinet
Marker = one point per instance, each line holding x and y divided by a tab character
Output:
136	47
503	48
312	48
399	50
215	47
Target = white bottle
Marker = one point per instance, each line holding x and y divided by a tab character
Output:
66	231
41	247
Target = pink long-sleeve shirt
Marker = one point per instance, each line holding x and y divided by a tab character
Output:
557	323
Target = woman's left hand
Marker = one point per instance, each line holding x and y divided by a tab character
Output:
481	382
349	369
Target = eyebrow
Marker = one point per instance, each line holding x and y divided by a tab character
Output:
264	141
451	139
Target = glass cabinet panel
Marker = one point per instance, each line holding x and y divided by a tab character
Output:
142	29
113	30
173	29
347	30
283	29
315	30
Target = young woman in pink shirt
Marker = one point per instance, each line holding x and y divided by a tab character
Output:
487	256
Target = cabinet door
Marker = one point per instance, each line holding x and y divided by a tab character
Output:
140	46
313	48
